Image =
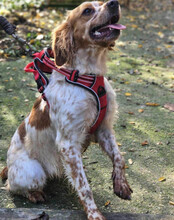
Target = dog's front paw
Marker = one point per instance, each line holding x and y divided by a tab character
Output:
121	186
36	196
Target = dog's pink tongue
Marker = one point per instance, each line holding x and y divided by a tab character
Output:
117	26
114	26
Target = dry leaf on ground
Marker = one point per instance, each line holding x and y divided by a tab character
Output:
107	203
131	113
123	153
152	104
169	106
171	203
128	94
130	161
140	110
132	122
162	179
144	143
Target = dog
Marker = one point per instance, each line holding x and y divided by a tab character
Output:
51	139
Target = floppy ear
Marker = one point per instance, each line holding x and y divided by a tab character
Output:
63	44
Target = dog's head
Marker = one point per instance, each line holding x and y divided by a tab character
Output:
92	24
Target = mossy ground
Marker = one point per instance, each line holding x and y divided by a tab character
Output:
141	71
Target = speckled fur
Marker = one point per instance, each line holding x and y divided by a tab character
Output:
50	141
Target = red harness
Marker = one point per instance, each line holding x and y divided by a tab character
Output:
94	84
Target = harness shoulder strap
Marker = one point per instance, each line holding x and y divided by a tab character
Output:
97	89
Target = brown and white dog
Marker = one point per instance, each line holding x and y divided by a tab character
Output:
50	141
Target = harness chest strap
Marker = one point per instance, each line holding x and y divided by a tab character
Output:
94	84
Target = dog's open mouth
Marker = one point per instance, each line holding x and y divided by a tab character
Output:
109	30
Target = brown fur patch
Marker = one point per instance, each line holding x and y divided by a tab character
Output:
74	169
22	131
62	44
4	174
38	118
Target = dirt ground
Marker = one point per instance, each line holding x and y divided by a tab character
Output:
141	70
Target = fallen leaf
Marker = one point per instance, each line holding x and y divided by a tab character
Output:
128	94
168	46
158	48
171	203
152	104
160	34
140	46
33	89
3	188
123	153
132	122
132	18
171	134
121	44
140	110
130	161
119	144
10	90
126	166
134	26
40	37
32	41
162	179
131	150
159	143
169	106
142	17
131	113
107	203
139	80
31	85
144	143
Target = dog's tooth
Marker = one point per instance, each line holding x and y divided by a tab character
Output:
110	29
97	33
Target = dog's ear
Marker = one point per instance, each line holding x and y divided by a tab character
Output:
63	44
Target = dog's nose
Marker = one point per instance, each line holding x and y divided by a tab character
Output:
113	5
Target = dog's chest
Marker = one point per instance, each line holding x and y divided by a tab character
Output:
72	108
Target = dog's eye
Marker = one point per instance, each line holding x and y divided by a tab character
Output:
88	11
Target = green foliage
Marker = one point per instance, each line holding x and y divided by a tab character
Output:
20	4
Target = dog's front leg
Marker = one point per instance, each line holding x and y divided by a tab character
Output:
107	141
72	161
